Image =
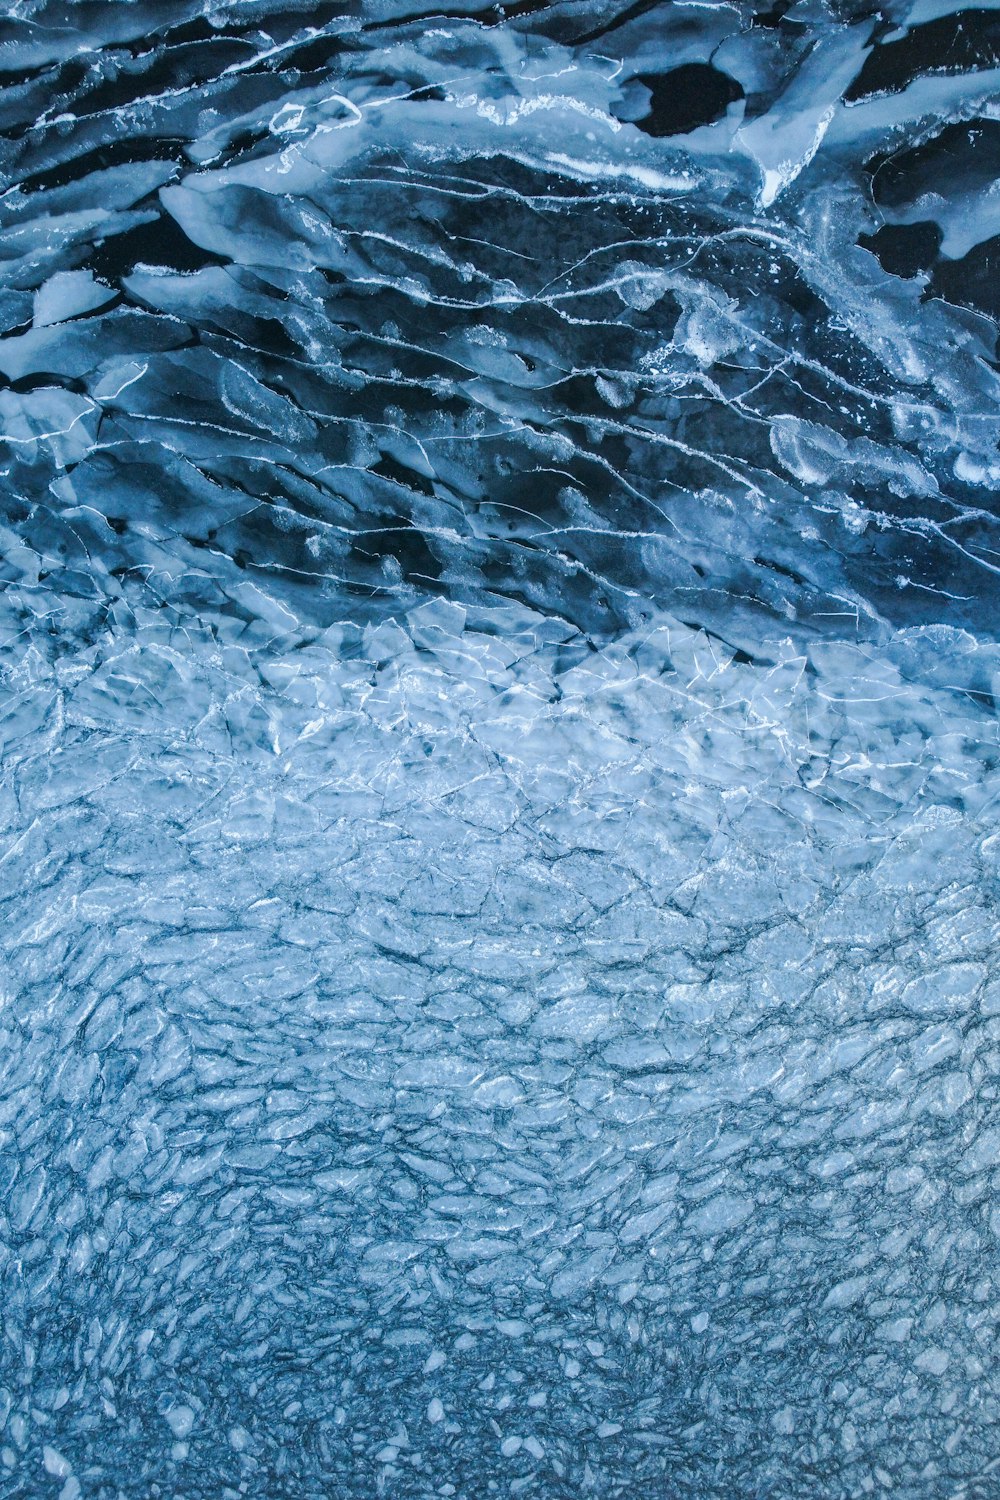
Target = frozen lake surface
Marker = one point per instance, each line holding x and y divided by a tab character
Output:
500	838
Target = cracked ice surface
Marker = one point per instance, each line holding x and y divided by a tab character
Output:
437	1057
501	789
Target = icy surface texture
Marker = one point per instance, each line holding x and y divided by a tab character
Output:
500	810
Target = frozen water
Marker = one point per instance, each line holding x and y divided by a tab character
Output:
500	843
392	1041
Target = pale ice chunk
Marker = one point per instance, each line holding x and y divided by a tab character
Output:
180	1420
54	1462
784	140
67	295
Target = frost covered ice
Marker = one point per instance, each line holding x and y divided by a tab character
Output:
501	790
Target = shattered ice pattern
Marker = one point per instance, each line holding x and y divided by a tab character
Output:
500	843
